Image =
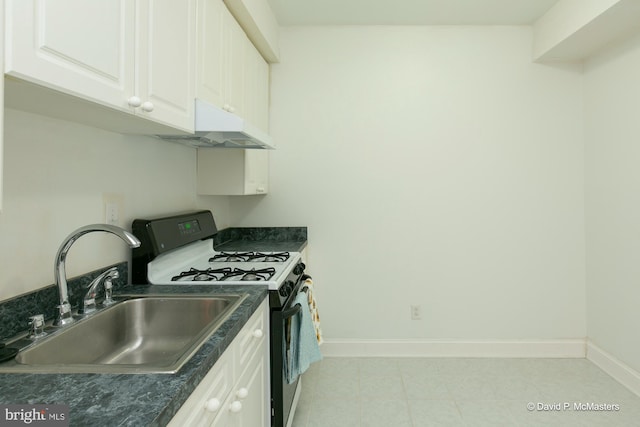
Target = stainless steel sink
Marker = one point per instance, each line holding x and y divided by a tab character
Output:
155	334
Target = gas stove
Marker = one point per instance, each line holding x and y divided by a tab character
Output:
199	262
179	250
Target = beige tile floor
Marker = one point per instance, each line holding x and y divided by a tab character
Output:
416	392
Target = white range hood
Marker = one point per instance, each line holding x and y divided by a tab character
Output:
215	127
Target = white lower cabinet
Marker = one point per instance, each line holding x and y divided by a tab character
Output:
235	392
246	405
254	406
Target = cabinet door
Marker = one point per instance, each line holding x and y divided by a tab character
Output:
221	401
235	41
256	88
207	401
262	94
253	383
165	72
210	52
225	419
256	171
81	47
232	172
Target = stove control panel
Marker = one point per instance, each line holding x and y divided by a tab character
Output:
160	235
189	227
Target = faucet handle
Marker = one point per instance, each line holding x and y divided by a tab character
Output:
108	291
88	303
36	326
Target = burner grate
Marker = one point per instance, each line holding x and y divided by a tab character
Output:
225	274
250	257
232	257
252	275
269	257
207	275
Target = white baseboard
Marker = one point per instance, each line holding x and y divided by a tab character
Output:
622	372
565	348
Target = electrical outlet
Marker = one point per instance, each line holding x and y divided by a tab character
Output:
113	208
416	312
111	214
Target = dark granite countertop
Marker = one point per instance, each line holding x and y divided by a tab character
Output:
264	246
266	239
141	399
134	399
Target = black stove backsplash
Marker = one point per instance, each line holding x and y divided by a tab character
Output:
15	312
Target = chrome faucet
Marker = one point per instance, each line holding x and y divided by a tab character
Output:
64	309
88	303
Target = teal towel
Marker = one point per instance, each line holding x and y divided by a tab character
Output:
303	347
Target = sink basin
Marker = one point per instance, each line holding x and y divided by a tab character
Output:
155	334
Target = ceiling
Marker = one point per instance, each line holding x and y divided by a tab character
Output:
409	12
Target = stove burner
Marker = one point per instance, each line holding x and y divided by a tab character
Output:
231	257
250	257
202	275
252	275
269	257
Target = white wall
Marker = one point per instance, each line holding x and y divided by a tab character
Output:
435	166
612	123
55	175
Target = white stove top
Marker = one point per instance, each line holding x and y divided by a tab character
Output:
196	255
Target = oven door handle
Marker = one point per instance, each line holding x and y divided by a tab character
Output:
291	311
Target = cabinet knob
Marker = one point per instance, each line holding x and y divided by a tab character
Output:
147	106
242	393
260	190
235	406
134	101
229	108
257	333
212	405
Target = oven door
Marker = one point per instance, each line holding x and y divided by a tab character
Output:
284	396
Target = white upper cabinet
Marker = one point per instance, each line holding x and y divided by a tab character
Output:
256	88
233	75
165	72
85	48
134	56
231	72
256	171
210	73
232	172
235	43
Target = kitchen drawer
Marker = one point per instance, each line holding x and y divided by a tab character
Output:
215	385
254	333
